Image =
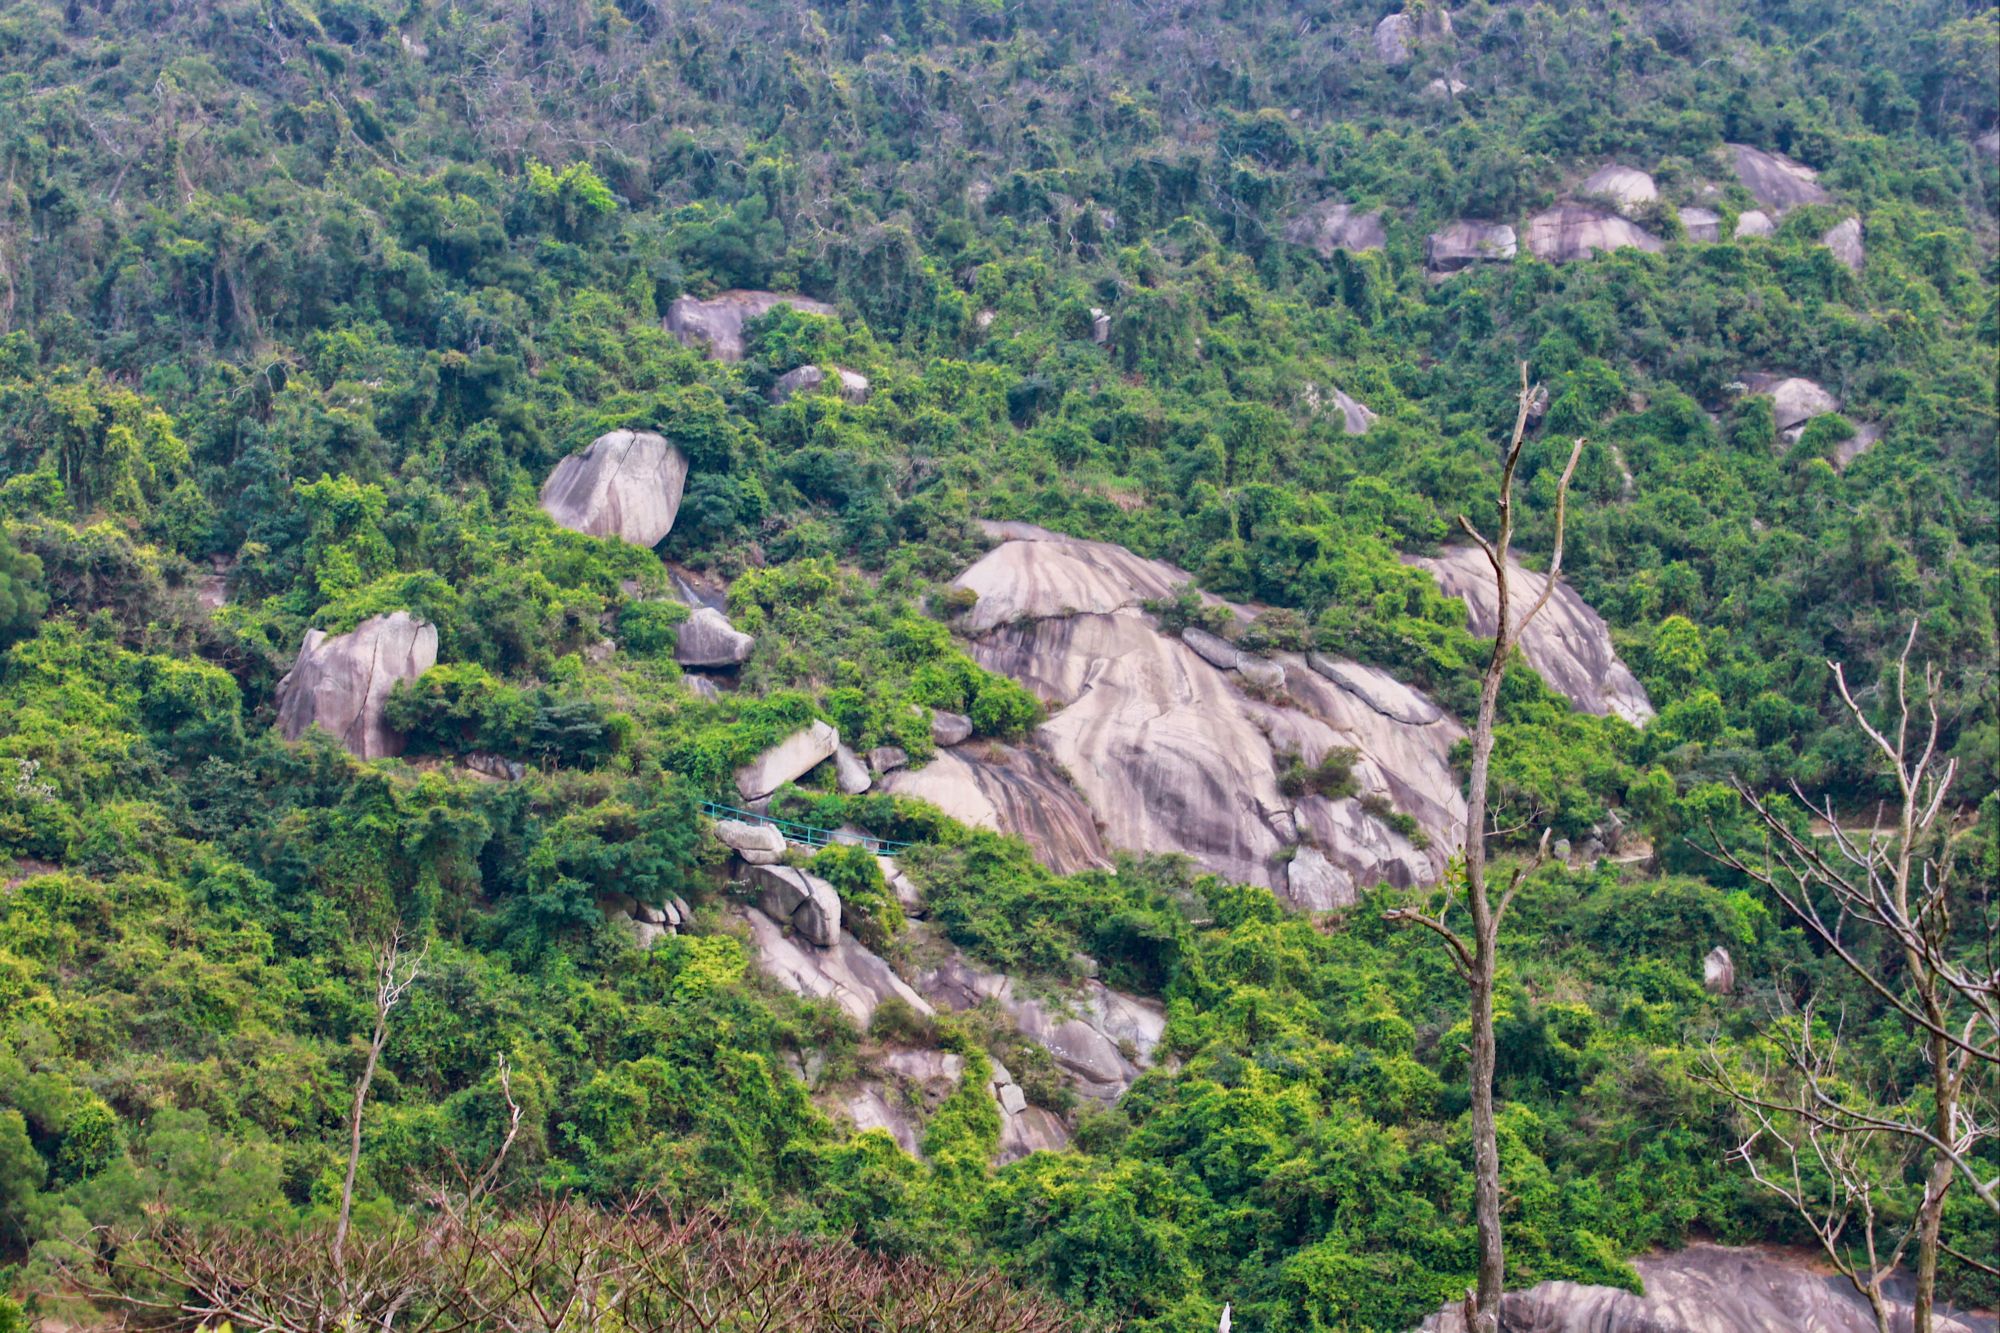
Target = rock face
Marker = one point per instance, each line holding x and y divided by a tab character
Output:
1443	90
1718	972
1626	189
626	485
1328	226
1573	231
340	682
1169	750
790	758
707	639
1753	222
757	844
845	972
1707	1289
805	902
1009	790
1794	400
1568	643
852	384
849	772
1100	326
718	324
1701	224
1355	416
1779	183
1396	35
1466	242
948	729
1844	239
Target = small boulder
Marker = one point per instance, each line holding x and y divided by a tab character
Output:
1779	183
888	758
1443	90
701	687
1718	972
1570	232
1328	227
757	844
1315	884
1216	651
493	766
1754	222
1012	1100
791	758
948	729
1626	189
1468	242
717	324
1844	240
1701	224
1100	326
341	682
850	772
854	386
1260	672
1397	35
1794	400
803	380
707	639
1355	416
627	485
807	902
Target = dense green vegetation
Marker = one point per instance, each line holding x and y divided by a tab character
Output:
326	289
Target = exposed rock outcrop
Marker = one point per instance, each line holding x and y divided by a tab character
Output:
707	639
1573	231
341	682
1100	326
1701	224
1444	90
791	758
757	844
1844	240
1355	416
1988	145
948	729
1328	226
849	772
1024	1128
887	758
845	972
1753	222
1467	242
852	385
807	903
1794	400
627	485
1568	643
1777	182
718	323
1010	790
1718	972
1172	753
1626	189
1708	1289
1396	36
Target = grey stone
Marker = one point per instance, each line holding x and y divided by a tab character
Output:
786	761
1561	849
1444	90
701	686
597	654
1355	416
1012	1100
1014	790
1569	232
1396	35
1718	972
950	728
1794	400
717	324
1625	189
802	380
1032	1130
806	902
1777	182
1844	240
1377	689
854	386
1468	242
1328	227
341	682
1216	651
759	844
1100	326
846	972
1261	672
1315	884
1701	224
1753	222
707	639
850	772
493	766
887	758
627	485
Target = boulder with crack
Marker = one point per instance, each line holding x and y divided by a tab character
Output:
1396	36
806	903
845	972
757	844
1568	643
791	758
341	682
1701	224
1009	789
627	485
717	323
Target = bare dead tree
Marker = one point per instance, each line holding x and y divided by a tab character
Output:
394	975
1476	958
1924	943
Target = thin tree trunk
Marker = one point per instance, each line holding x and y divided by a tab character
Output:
1485	964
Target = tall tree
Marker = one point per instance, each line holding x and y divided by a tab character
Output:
1477	958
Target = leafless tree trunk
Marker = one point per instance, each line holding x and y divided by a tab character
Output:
1888	905
394	976
1477	959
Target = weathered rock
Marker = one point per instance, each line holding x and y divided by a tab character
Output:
871	1106
627	485
1443	90
1355	416
649	913
1100	326
1328	226
1718	972
908	895
701	686
1754	222
1844	240
1379	690
707	639
1261	672
340	683
1315	884
718	324
950	728
1089	1031
758	844
1043	575
887	758
1466	242
1010	790
1709	1289
1217	652
493	766
1568	643
1777	182
1626	189
806	902
854	386
1173	755
846	973
1561	849
984	319
786	761
1396	35
1866	433
1794	400
597	654
212	593
849	772
1701	224
1570	232
793	382
643	934
1989	144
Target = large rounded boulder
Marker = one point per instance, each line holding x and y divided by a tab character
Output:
626	485
341	682
717	323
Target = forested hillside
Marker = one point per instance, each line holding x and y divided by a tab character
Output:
304	303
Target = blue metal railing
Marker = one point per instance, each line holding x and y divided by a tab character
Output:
805	835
